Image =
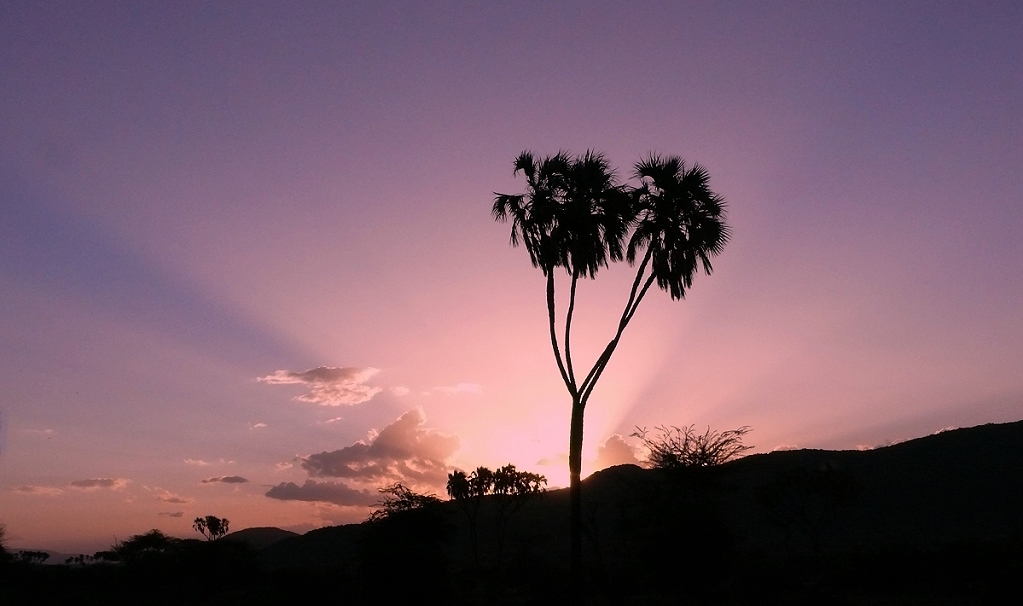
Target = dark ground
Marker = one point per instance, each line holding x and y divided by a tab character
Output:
938	520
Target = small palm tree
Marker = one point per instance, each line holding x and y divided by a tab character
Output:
576	215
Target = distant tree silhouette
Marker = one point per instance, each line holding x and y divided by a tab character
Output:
577	216
145	546
508	487
677	448
32	557
4	555
468	491
512	489
211	527
399	499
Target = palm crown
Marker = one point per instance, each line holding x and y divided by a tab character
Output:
679	221
574	214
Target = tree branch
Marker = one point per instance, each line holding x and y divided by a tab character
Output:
586	387
568	328
554	334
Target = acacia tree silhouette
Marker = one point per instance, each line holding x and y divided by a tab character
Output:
211	527
577	216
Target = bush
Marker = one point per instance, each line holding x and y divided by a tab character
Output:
399	499
677	448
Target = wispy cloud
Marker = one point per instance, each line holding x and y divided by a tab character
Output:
329	385
556	461
99	483
170	497
202	463
47	491
258	426
171	514
226	480
337	493
402	451
473	388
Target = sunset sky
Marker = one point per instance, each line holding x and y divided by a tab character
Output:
248	266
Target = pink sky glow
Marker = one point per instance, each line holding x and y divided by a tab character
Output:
248	267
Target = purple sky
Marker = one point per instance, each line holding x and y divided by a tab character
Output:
252	241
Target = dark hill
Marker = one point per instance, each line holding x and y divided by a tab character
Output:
936	520
960	484
260	538
951	502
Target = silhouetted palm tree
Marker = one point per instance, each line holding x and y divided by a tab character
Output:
577	216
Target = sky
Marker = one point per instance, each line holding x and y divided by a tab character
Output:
248	266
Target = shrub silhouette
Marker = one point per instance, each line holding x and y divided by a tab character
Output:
676	448
406	536
400	499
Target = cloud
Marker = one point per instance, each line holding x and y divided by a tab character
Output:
98	483
169	497
400	391
258	426
557	461
47	491
44	432
226	480
403	451
329	385
171	514
333	420
201	463
461	388
784	447
337	493
615	451
284	465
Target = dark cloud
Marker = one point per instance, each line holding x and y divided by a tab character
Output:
615	451
337	493
171	514
329	385
226	480
97	483
402	451
172	499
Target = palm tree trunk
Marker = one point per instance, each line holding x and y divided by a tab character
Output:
575	456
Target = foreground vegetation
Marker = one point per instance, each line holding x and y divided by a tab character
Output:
930	521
